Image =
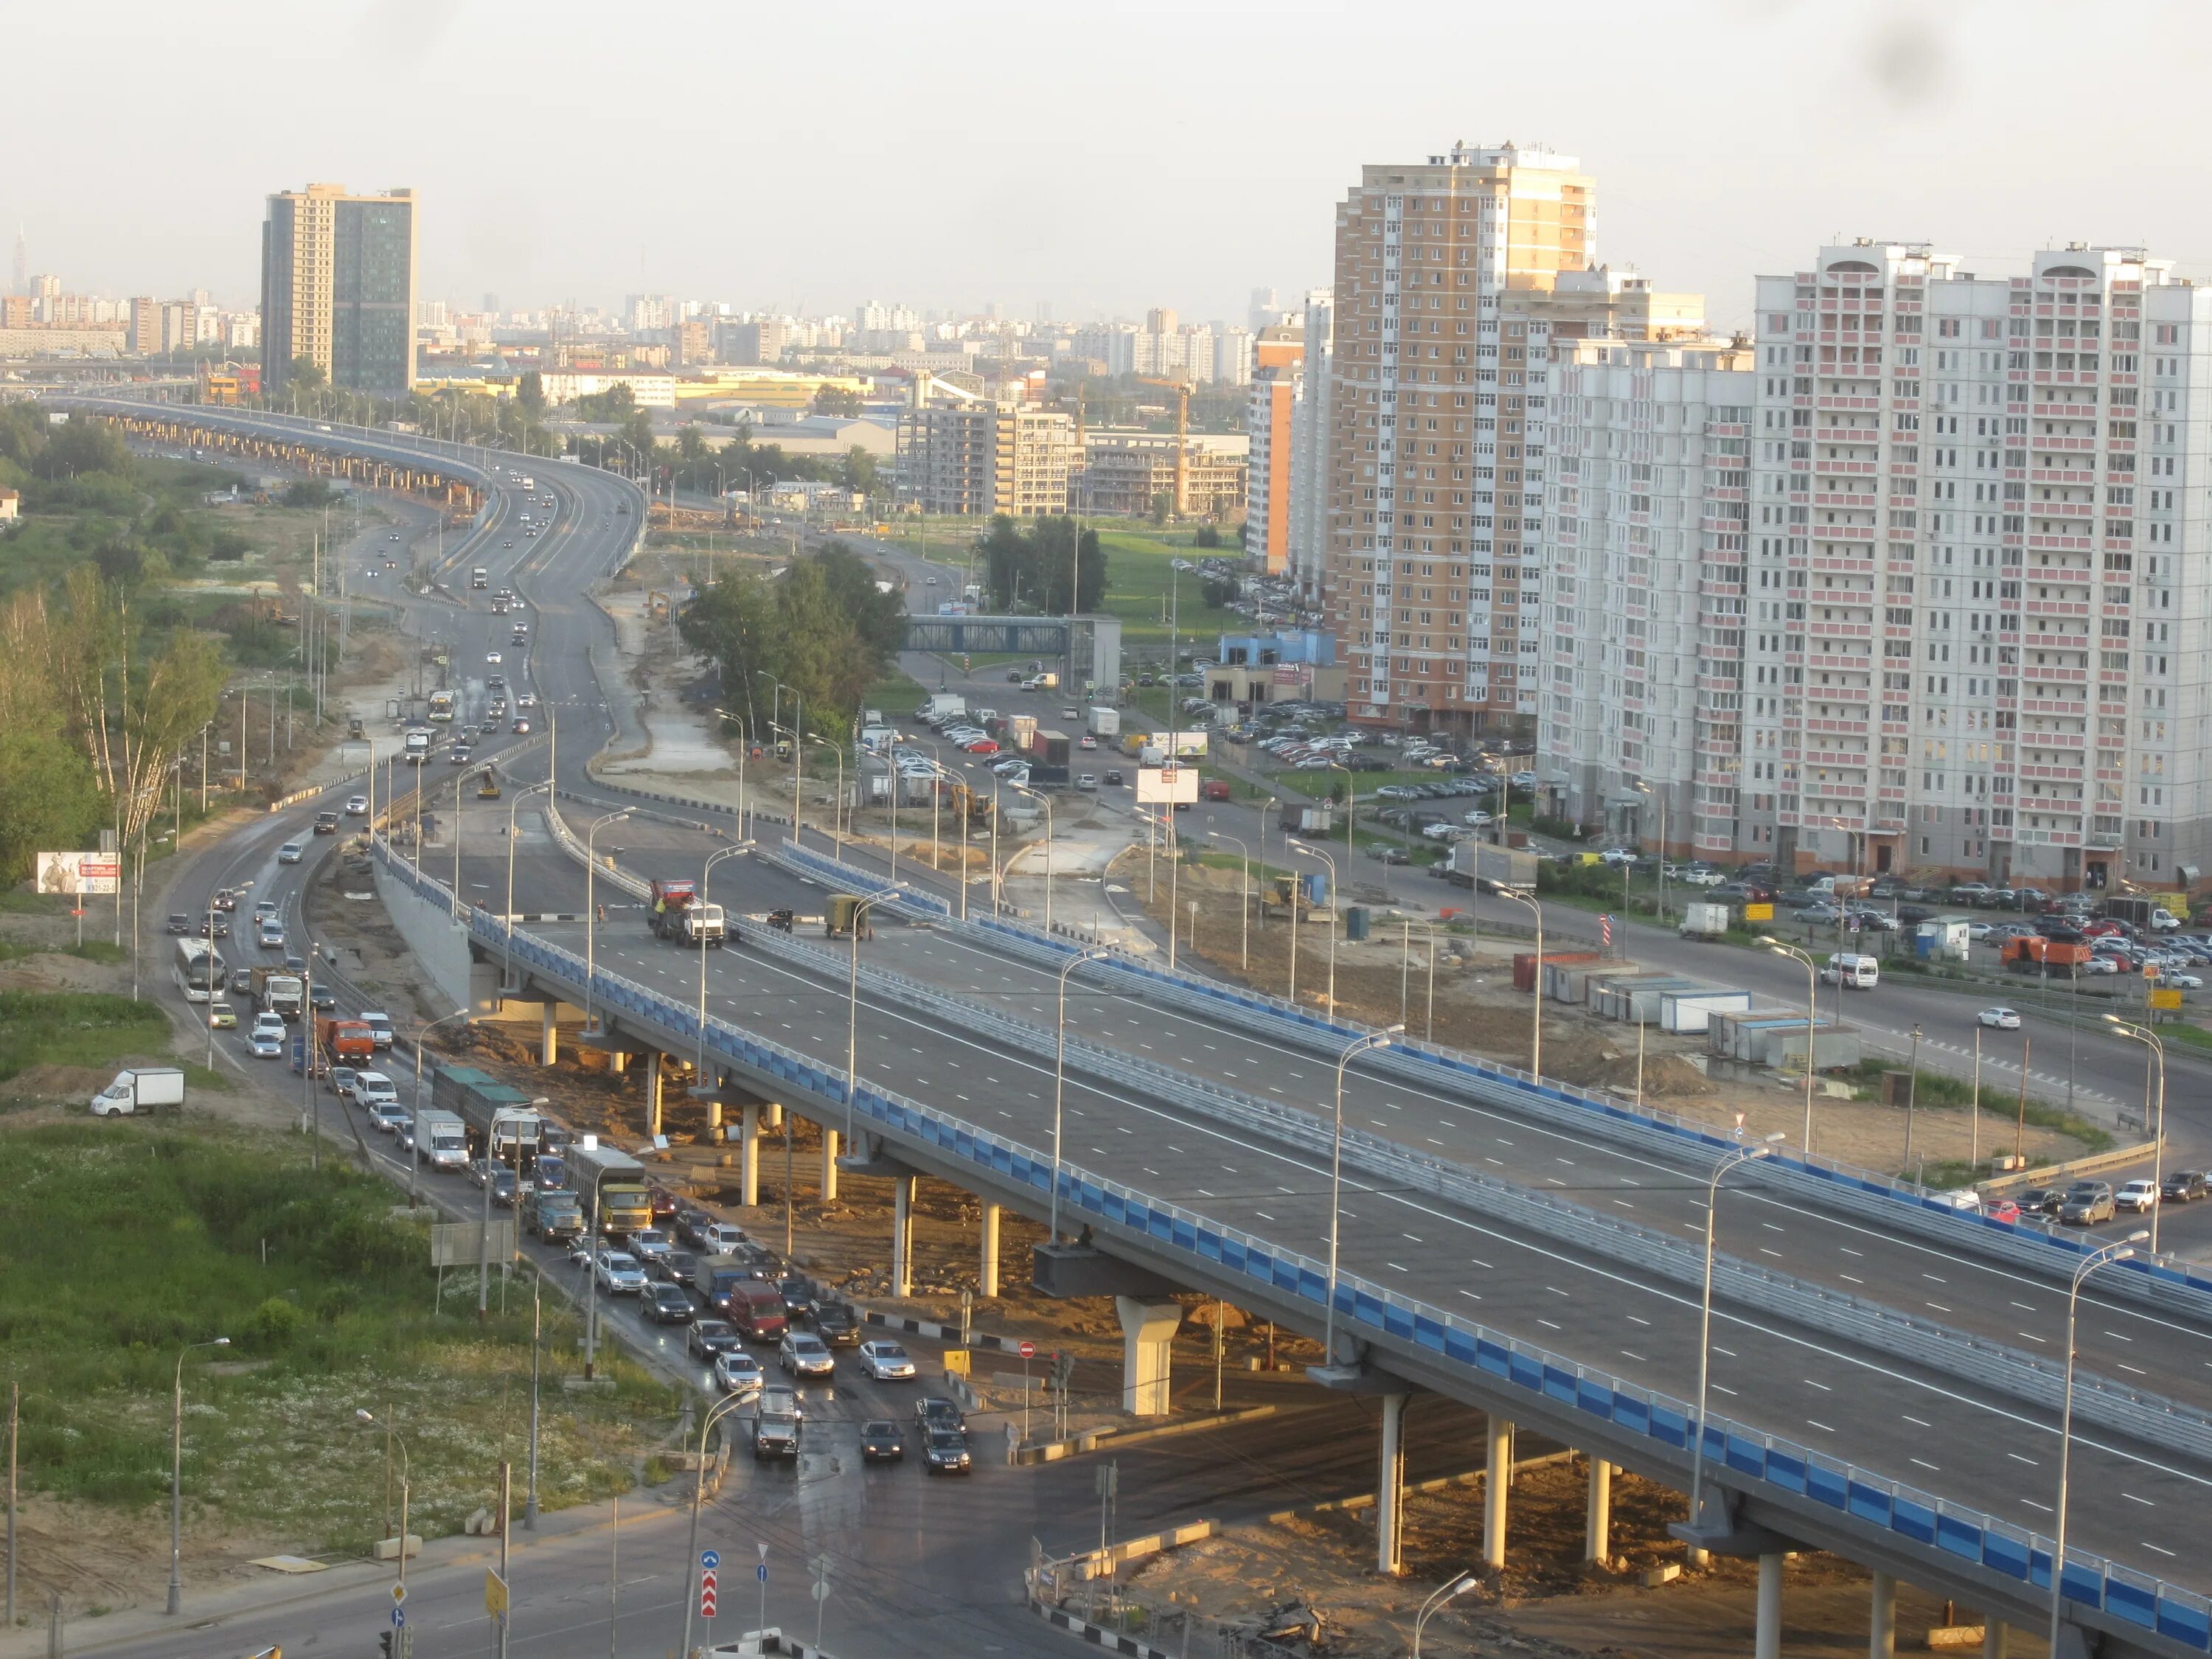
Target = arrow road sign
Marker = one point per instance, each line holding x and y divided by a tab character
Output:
710	1559
761	1572
399	1619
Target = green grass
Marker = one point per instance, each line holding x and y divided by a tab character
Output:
85	1028
1937	1091
127	1240
1140	576
92	950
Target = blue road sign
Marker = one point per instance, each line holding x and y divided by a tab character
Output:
399	1619
710	1559
761	1572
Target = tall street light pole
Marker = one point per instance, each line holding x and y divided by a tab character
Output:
2144	1035
716	1413
1046	803
2119	1251
415	1110
1536	1032
1060	1080
176	1475
1812	997
536	789
853	1008
1335	892
706	879
1459	1586
1705	1317
1243	899
1358	1045
361	1414
590	904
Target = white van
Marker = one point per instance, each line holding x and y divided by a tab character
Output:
1859	972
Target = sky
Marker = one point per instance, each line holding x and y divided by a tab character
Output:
1096	160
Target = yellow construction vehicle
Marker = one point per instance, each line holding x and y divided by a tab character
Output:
972	804
487	785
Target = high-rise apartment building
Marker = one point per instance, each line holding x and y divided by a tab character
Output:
145	335
1276	377
981	459
1309	437
337	287
1437	448
1232	357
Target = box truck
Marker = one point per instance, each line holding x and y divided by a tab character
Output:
1705	921
1105	722
141	1089
442	1140
611	1186
1478	864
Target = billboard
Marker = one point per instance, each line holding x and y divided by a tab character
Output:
1158	786
78	873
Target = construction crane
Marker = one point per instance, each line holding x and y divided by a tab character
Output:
1181	390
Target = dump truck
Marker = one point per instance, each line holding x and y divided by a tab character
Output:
611	1187
281	992
502	1124
2031	953
1705	921
487	785
1479	864
348	1041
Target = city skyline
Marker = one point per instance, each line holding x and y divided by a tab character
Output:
894	197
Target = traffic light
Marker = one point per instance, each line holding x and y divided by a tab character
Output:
387	1643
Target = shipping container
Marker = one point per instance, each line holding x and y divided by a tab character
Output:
1682	1011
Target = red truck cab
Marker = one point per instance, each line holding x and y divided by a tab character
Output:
757	1310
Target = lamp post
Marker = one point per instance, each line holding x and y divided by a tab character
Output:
706	879
1334	888
1644	787
1811	996
364	1415
852	1007
177	1474
2144	1035
533	789
716	1413
1060	1080
1705	1315
1243	899
2116	1252
837	801
590	905
1357	1046
1045	801
1449	1592
1536	1035
414	1111
1406	925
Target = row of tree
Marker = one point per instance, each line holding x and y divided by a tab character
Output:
820	628
1035	568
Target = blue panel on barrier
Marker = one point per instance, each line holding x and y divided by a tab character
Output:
1746	1457
1589	1397
1397	1321
1916	1520
1958	1537
2131	1602
1462	1347
1184	1235
1312	1285
1632	1413
1869	1503
1234	1257
2038	1568
1366	1306
1429	1332
1559	1385
2084	1585
1526	1373
1784	1470
1671	1427
1826	1486
2183	1623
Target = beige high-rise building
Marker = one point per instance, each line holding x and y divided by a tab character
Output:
1435	450
337	287
978	460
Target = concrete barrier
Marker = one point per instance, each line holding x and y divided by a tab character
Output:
2058	1175
1111	1439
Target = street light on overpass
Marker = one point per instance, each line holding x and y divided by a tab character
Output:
2119	1251
534	789
1243	901
1045	802
415	1109
706	880
1060	1081
592	907
1745	1155
1811	996
1358	1045
861	909
1335	890
2144	1035
1536	1020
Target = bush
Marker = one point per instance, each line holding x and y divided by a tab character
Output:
271	1325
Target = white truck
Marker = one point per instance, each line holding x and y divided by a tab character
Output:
418	745
942	705
442	1140
1705	921
141	1089
1491	869
1105	722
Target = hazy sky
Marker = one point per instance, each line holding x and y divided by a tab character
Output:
1100	158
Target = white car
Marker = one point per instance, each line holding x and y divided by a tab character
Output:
491	657
737	1372
374	1089
2137	1196
1617	856
619	1275
886	1362
719	1238
1477	819
650	1243
265	1044
2002	1019
291	852
2182	982
357	806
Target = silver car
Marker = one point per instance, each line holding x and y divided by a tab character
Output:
619	1273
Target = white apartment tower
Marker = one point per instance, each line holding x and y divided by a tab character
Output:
1644	570
1437	429
1309	457
1978	621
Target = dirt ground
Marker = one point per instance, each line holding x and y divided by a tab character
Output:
101	1557
1546	1601
1384	979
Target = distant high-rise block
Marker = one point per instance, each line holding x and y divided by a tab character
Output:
337	287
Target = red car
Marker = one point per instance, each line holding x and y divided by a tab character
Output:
2106	929
2001	1209
981	746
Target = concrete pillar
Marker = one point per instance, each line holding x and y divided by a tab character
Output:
1882	1622
1766	1643
987	1267
549	1034
1147	1329
828	1164
652	1094
1389	1490
1993	1636
902	1235
772	1115
748	1156
1597	1532
1497	1478
714	1103
618	1061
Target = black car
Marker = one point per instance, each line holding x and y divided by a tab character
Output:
834	1321
504	1187
2040	1200
708	1337
326	823
691	1224
1913	914
1114	778
798	1294
677	1266
881	1442
935	1412
179	923
2182	1186
214	928
667	1304
325	1000
945	1451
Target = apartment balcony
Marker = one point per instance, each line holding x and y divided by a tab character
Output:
2056	607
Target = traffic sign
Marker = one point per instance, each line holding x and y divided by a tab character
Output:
761	1572
710	1559
1029	1349
496	1597
709	1590
399	1619
398	1589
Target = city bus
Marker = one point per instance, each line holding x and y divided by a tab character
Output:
441	705
199	970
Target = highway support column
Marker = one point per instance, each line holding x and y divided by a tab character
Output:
618	1061
1597	1532
1148	1329
902	1235
1881	1622
1390	1490
774	1118
748	1156
1766	1642
1497	1476
987	1275
1993	1636
549	1032
828	1165
652	1092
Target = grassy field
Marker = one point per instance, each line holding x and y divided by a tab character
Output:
1143	587
126	1242
57	1028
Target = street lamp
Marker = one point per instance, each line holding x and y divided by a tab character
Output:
1644	787
1357	1045
414	1108
362	1414
533	789
2115	1252
591	906
1045	801
1706	1314
1243	899
716	1413
861	909
1060	1079
2144	1035
1334	892
836	801
706	879
1812	997
177	1473
1406	925
1449	1592
1536	1035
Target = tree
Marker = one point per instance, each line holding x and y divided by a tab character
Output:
306	374
837	400
861	472
530	394
81	444
1034	566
